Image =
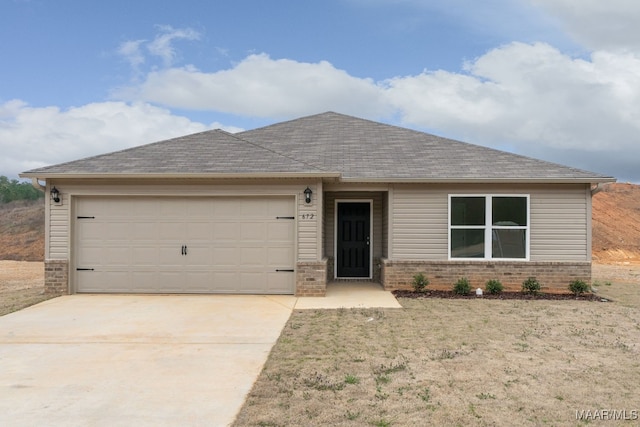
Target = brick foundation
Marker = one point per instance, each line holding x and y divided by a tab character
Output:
553	276
56	277
311	278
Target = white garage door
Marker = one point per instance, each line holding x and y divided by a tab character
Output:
185	245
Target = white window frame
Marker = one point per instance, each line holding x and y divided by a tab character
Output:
488	228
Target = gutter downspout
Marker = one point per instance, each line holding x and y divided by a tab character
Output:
36	184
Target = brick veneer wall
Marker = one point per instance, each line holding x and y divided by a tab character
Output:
553	276
311	278
56	277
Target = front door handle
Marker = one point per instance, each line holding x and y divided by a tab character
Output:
368	239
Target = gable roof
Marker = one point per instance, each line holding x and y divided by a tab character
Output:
210	153
323	145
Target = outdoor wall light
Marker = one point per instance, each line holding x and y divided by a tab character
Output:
307	195
55	194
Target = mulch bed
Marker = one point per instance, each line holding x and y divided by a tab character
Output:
502	296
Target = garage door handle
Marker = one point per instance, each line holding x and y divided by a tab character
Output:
285	269
184	250
84	269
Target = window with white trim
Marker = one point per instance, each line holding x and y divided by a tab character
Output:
485	227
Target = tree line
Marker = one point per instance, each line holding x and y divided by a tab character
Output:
11	190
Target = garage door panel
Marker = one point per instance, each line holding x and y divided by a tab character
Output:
144	231
279	257
144	281
253	231
226	257
226	281
92	256
251	282
198	281
279	282
198	256
148	256
280	231
173	231
115	256
119	230
88	229
234	245
97	281
226	230
199	232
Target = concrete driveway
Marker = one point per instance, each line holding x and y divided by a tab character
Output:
115	360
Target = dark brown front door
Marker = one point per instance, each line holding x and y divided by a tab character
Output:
353	241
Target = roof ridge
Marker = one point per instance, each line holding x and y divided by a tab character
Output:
255	144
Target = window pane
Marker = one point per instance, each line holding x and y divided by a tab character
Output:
467	211
509	243
467	243
509	211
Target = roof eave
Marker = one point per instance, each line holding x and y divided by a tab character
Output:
258	175
320	175
586	180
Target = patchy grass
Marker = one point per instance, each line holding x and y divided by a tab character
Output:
453	362
21	285
13	300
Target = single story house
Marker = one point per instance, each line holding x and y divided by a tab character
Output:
287	208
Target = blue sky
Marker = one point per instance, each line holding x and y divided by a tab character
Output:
554	79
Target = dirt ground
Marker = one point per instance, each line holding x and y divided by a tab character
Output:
616	223
21	285
22	230
459	362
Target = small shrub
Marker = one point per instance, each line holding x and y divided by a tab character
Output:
578	287
531	286
462	286
420	282
494	286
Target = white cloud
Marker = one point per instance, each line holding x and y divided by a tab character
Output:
537	101
34	137
131	51
135	52
264	87
598	24
529	98
162	44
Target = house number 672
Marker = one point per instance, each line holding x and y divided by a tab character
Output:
308	216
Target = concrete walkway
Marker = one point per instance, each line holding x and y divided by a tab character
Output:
137	360
350	295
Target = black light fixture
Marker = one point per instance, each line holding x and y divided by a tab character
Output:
307	195
55	194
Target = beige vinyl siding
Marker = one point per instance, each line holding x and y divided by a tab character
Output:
384	250
58	238
307	225
558	231
329	212
60	217
419	223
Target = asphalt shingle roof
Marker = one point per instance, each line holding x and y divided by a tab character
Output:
357	149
